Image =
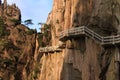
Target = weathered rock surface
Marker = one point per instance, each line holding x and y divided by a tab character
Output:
17	45
83	58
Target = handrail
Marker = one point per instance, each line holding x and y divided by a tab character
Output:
103	40
114	39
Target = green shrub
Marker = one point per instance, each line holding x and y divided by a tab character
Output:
36	71
40	40
47	32
4	44
28	22
16	21
1	21
1	27
19	42
31	31
3	31
6	62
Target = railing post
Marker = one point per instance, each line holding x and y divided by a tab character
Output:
93	35
113	40
74	31
102	40
83	30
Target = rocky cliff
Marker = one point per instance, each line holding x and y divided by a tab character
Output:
83	58
17	45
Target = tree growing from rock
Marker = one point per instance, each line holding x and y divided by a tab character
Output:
28	22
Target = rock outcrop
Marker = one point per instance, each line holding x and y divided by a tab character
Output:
17	45
83	58
10	13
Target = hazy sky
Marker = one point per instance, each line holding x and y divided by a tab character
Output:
37	10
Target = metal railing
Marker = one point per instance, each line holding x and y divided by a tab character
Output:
114	39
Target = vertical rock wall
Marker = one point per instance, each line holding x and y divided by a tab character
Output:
83	58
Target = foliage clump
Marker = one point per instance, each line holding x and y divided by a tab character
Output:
31	31
3	31
46	34
36	70
40	40
7	44
4	63
28	22
16	21
1	27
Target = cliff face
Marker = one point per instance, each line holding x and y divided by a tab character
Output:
17	45
96	13
83	58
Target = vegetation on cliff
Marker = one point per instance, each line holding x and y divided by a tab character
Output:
44	37
81	58
17	44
